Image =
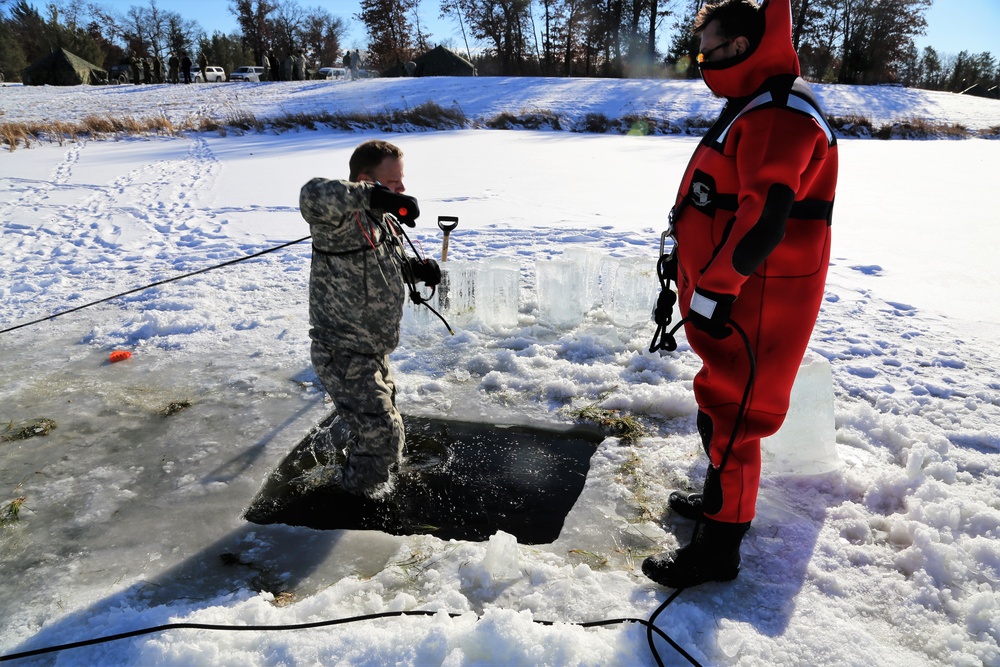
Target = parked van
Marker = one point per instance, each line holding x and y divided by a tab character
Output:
331	73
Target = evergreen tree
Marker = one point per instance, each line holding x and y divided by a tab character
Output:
12	59
390	33
181	35
252	18
226	51
930	70
682	57
30	31
322	36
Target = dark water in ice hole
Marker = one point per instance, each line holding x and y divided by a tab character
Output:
459	480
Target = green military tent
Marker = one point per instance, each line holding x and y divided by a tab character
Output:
62	68
439	61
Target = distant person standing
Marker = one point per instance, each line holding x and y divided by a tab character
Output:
355	63
286	68
186	67
266	64
157	70
172	64
297	69
134	63
203	65
347	65
147	72
303	66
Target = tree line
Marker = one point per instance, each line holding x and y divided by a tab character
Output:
862	42
838	41
106	38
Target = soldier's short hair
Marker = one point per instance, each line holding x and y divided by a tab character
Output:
369	155
737	18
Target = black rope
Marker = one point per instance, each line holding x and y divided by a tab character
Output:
651	627
156	284
415	296
666	269
740	414
751	378
650	630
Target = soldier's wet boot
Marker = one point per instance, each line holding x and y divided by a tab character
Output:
714	555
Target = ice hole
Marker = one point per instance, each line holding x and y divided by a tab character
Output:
459	480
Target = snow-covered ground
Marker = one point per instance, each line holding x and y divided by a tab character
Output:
893	559
479	99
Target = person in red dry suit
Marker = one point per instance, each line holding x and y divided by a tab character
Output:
752	229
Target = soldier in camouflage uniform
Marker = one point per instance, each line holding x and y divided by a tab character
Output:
356	293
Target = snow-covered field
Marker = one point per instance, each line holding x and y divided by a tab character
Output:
893	559
479	99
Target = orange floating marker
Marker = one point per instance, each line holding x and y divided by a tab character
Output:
119	355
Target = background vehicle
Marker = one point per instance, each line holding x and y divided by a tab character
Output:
213	74
331	73
247	73
120	74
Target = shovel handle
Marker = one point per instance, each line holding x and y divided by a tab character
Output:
447	223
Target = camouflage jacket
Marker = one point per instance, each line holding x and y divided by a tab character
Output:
356	290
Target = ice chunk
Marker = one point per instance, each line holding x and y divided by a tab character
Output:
487	291
629	287
606	275
588	264
560	295
457	292
498	286
454	298
806	442
501	561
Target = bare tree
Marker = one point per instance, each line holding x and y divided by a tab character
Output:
286	24
877	37
503	24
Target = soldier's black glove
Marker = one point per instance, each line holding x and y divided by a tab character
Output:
709	312
425	271
402	206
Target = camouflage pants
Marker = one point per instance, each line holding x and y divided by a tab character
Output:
364	394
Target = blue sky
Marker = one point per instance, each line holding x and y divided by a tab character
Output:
952	25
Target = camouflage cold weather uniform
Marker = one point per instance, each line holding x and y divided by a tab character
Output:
355	305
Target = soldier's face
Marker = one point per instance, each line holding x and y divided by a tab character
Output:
389	173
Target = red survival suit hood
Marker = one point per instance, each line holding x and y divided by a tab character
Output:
744	74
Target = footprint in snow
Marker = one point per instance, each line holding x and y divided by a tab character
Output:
869	270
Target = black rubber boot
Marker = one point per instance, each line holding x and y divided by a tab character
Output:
688	505
714	555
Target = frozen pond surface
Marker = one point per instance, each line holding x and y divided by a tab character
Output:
132	518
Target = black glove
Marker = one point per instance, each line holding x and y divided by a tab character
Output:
402	206
709	312
425	271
